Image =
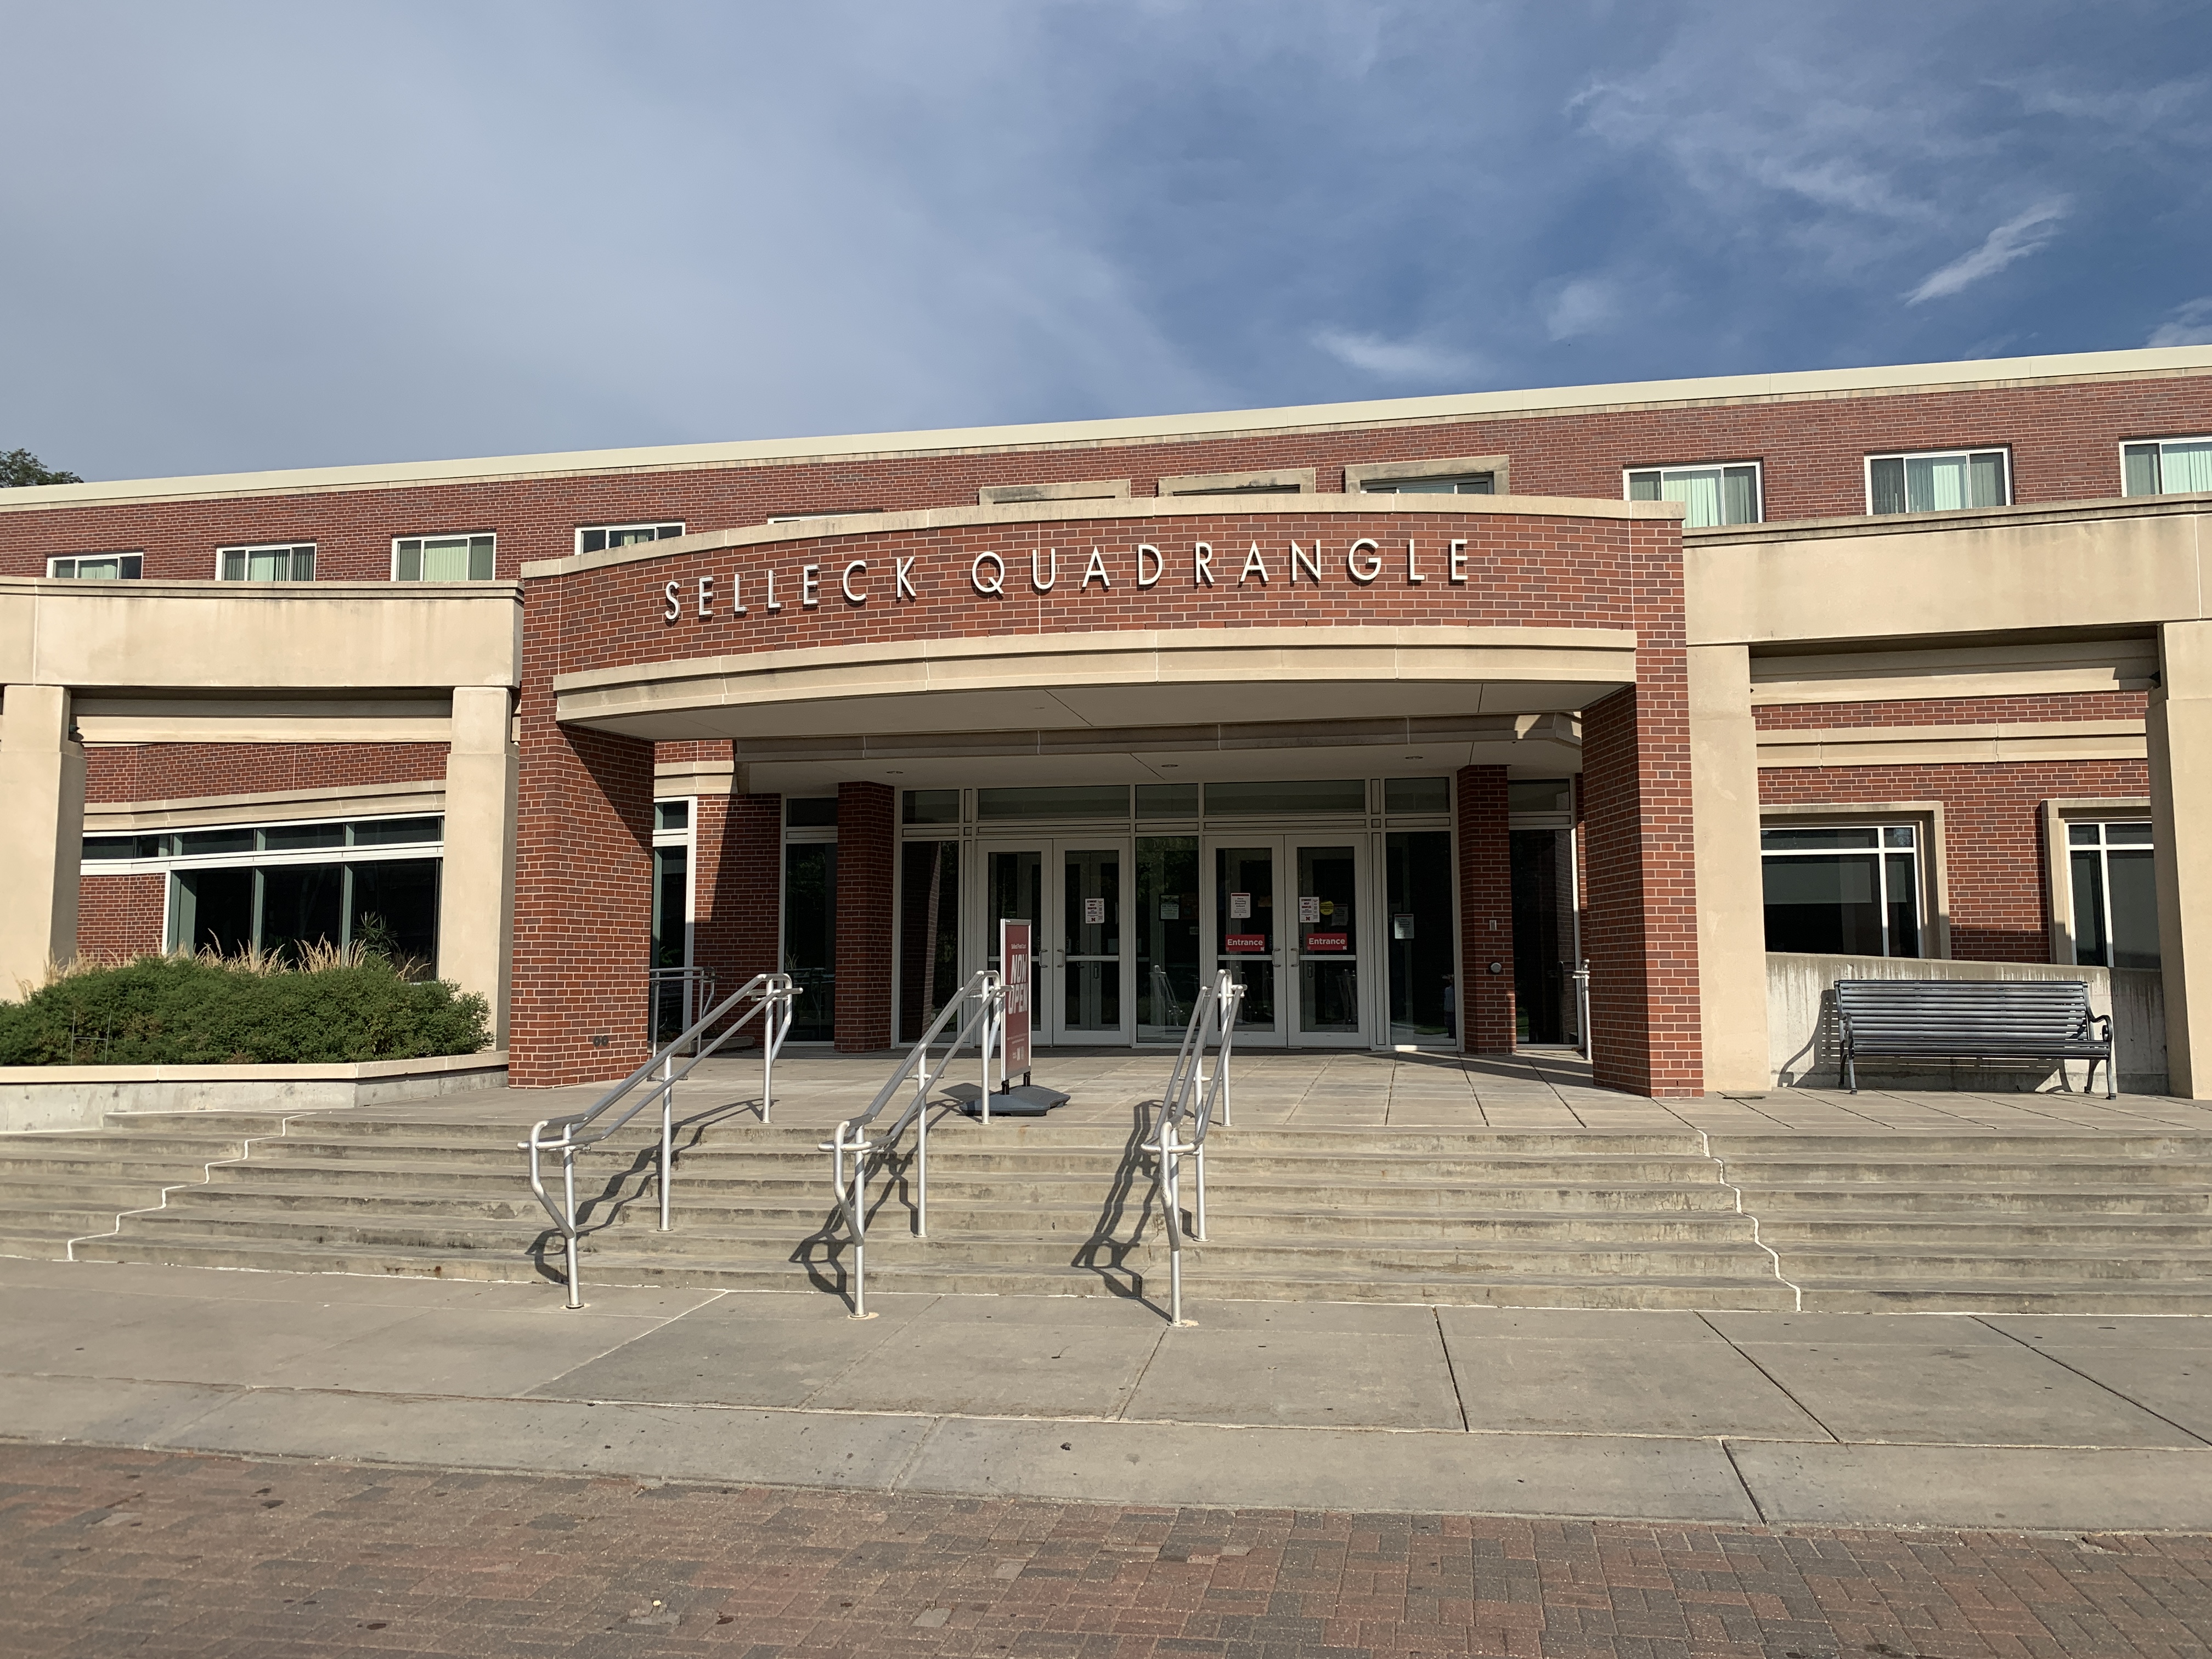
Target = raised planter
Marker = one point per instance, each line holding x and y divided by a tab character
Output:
76	1097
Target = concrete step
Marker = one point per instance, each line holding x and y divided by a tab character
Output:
1907	1263
1924	1229
1838	1200
2039	1148
1944	1173
2055	1296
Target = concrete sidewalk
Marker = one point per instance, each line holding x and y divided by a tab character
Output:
2015	1422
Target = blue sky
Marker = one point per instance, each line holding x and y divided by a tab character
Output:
243	236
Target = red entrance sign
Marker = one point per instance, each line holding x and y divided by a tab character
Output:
1329	942
1243	944
1014	957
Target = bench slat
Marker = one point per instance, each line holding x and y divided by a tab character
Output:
1978	1019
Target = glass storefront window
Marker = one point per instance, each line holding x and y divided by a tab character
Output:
1108	800
1167	801
1419	881
1416	794
929	806
810	937
1301	795
929	930
1167	926
390	908
810	812
1539	795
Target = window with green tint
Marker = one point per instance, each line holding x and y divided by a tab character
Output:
1299	795
1539	795
97	848
442	559
1939	482
1714	494
297	837
1088	801
397	832
1416	794
1167	801
671	815
929	806
283	562
1818	838
810	812
203	842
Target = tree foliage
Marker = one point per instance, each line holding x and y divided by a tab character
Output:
19	467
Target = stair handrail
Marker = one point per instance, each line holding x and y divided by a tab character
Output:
1189	1100
771	995
987	989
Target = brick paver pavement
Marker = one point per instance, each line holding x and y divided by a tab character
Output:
108	1553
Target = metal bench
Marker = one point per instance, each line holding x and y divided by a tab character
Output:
1978	1019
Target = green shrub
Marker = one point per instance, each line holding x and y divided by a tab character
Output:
200	1011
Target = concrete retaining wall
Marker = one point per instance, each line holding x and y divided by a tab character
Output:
76	1097
1802	1033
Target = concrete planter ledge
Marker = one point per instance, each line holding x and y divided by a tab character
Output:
76	1097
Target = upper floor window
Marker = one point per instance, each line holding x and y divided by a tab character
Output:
97	566
1714	494
1938	482
1279	480
2167	466
1465	483
442	559
598	538
275	561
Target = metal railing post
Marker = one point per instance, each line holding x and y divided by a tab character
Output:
1581	1007
569	1203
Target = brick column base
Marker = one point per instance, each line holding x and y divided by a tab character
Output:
738	841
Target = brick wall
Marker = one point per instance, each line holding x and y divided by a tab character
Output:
1955	711
866	839
1641	932
1486	912
1522	570
737	886
175	771
583	897
118	917
2063	439
2000	903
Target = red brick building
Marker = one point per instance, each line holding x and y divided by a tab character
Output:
1403	713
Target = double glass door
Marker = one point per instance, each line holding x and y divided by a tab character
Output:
1073	895
1124	934
1285	920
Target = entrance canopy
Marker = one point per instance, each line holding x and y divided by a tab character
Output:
1175	704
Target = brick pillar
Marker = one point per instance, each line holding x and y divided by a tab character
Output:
866	836
738	841
1641	936
583	901
1487	1015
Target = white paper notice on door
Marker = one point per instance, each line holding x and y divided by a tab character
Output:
1240	907
1094	912
1309	907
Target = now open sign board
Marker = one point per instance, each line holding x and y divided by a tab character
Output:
1014	958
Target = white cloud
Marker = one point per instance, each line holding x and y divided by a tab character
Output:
1588	305
2191	324
2016	239
1396	360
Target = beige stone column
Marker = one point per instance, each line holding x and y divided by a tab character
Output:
1731	911
2180	733
476	905
41	834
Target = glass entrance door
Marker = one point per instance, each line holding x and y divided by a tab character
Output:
1074	895
1294	945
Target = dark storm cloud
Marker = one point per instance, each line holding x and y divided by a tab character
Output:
251	236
